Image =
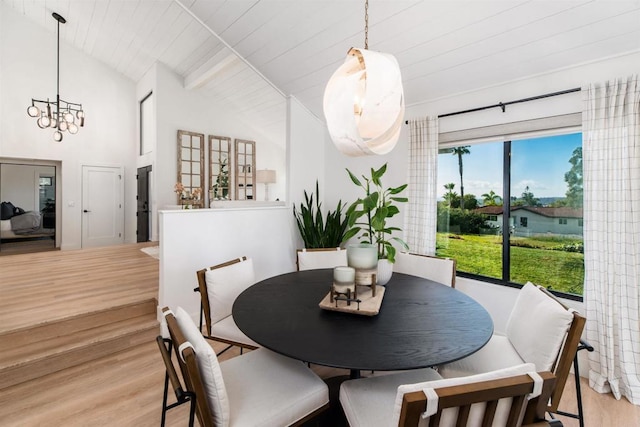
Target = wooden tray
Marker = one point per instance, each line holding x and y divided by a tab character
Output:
369	306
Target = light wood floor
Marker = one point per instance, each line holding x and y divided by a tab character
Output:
126	389
43	286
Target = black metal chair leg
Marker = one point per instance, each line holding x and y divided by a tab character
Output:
164	399
576	373
192	409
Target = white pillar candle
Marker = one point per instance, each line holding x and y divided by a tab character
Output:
344	274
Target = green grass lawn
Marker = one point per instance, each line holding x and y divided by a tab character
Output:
532	260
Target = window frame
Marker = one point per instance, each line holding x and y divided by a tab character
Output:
506	247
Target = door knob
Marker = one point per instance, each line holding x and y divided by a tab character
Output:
85	211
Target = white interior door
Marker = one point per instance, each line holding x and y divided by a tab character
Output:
102	206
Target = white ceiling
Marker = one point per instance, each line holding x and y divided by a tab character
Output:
443	47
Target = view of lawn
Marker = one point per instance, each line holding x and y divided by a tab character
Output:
562	264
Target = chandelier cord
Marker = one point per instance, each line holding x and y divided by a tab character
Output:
366	24
58	81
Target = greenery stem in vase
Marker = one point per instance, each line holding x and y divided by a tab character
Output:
368	216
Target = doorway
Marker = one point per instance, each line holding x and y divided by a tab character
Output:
31	191
102	206
144	224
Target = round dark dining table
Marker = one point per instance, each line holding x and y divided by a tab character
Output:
421	323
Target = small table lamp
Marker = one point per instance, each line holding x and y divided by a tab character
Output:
266	177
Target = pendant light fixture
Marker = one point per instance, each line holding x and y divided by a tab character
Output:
364	102
65	114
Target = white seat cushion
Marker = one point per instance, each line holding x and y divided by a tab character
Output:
267	389
209	368
538	326
437	269
477	410
498	353
311	260
228	330
370	401
225	284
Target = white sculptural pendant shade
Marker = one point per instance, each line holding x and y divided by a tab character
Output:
364	103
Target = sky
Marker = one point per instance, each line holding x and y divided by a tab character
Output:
539	163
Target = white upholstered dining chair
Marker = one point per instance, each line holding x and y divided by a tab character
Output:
219	286
441	270
311	259
540	330
423	398
259	388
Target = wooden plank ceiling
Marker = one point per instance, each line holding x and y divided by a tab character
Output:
443	47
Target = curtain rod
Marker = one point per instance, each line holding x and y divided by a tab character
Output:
503	105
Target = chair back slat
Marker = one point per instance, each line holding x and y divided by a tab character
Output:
204	293
464	396
463	415
489	413
190	371
517	405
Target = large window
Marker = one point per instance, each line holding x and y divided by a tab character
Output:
511	212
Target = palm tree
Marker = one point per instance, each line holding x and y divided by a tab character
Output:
491	199
450	195
460	151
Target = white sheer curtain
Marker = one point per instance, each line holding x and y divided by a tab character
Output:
611	162
421	214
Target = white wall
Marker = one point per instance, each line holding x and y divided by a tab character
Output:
20	184
306	153
180	109
195	239
28	70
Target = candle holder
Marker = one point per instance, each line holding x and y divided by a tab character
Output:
363	257
343	285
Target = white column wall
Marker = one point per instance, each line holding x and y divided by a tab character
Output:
195	239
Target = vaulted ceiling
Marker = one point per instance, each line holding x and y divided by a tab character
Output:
443	47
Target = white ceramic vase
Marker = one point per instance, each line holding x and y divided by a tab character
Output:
385	270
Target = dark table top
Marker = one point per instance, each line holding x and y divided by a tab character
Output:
421	323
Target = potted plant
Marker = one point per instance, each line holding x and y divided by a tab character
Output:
318	231
367	218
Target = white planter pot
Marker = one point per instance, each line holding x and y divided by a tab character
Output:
385	270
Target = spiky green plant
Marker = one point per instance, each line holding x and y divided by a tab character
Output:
315	230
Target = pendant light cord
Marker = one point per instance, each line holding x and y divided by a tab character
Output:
58	81
366	24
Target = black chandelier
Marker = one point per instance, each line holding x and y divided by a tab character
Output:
65	114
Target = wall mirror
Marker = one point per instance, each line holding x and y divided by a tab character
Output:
245	168
220	173
190	168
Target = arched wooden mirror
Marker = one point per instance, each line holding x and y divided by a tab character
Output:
191	168
220	173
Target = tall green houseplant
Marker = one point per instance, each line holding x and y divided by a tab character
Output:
369	215
317	231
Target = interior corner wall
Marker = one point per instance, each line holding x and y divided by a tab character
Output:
306	152
28	70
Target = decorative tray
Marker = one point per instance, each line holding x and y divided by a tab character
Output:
368	305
